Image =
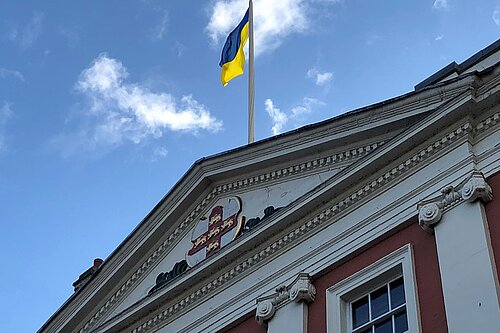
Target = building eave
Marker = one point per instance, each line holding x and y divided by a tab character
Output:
211	169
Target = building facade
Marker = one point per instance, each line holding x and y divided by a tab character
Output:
384	219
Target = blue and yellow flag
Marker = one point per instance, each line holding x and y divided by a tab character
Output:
233	59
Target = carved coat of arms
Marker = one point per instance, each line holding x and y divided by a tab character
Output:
217	228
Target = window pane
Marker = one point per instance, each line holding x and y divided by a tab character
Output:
401	322
397	293
360	312
384	327
380	302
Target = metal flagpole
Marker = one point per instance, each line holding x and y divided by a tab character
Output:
251	90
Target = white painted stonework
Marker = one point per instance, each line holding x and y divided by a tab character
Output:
470	284
395	264
468	278
337	186
286	310
253	204
291	319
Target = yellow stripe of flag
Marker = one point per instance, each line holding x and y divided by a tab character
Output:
233	57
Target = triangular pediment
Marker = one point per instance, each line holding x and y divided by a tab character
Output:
243	203
263	184
254	189
227	198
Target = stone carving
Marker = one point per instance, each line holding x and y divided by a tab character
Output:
477	188
474	187
266	306
253	222
429	215
265	311
301	289
150	323
431	211
310	225
165	278
216	229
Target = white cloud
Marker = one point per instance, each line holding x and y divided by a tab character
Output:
440	37
305	108
279	118
30	33
6	73
496	16
5	114
159	31
440	4
320	78
273	20
297	114
122	111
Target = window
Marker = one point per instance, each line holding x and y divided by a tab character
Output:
381	311
378	299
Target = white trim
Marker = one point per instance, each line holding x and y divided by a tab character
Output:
398	263
338	210
124	269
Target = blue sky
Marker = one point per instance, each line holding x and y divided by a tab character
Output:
105	104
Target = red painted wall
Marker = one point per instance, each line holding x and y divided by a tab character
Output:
248	325
492	209
430	295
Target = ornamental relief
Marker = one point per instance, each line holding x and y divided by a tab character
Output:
473	188
214	230
326	214
222	224
310	225
223	221
421	156
259	201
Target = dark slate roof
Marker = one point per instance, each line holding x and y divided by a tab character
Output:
459	68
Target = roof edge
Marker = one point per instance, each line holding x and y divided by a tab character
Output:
459	68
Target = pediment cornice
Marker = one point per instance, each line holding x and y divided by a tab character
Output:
203	175
341	206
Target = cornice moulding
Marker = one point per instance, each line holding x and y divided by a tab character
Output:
249	182
438	145
327	214
316	265
157	215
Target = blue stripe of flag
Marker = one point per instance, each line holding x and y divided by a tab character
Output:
233	42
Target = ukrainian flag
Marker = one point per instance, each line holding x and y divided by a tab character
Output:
233	59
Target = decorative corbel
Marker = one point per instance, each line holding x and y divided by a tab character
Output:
477	188
301	289
473	188
266	306
429	214
265	311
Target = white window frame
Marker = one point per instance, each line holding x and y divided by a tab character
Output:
339	296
